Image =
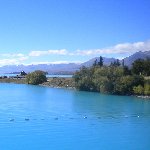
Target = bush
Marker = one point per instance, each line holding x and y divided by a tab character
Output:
139	90
147	89
36	77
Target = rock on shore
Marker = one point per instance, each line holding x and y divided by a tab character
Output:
144	97
51	82
60	82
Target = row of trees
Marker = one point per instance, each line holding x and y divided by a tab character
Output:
139	67
113	79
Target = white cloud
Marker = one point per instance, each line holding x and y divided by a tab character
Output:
12	59
48	52
125	48
122	48
12	55
119	51
4	62
23	58
54	62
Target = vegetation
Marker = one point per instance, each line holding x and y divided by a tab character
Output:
141	67
114	79
36	77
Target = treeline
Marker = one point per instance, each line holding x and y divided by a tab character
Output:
115	79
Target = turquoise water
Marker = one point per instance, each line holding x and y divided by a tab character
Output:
9	75
49	75
61	76
41	118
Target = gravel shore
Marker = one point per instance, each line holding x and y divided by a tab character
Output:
51	82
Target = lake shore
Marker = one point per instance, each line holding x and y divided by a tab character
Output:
56	82
143	97
13	80
59	82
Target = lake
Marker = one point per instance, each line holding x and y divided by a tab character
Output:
42	118
48	75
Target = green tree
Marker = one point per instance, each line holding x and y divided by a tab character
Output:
138	67
116	63
146	70
83	79
125	84
138	90
36	77
147	89
95	63
112	79
126	70
106	86
123	64
100	63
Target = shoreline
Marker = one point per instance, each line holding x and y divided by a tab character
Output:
53	82
143	97
58	82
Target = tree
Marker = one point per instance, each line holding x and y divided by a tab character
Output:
147	89
123	64
83	79
111	79
146	71
126	70
138	67
139	90
95	63
106	86
100	63
125	84
116	63
36	77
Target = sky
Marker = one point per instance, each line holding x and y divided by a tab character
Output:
65	31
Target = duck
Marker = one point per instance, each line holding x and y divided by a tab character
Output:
11	119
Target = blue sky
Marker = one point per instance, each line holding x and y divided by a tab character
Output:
55	31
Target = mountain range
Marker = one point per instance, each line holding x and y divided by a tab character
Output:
71	67
127	61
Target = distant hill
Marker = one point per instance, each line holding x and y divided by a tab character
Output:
107	61
50	68
128	60
71	67
142	55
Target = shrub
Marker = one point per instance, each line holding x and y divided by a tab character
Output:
36	77
139	90
147	89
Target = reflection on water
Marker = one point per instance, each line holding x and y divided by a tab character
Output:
34	117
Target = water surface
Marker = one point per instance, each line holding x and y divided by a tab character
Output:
48	75
41	118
